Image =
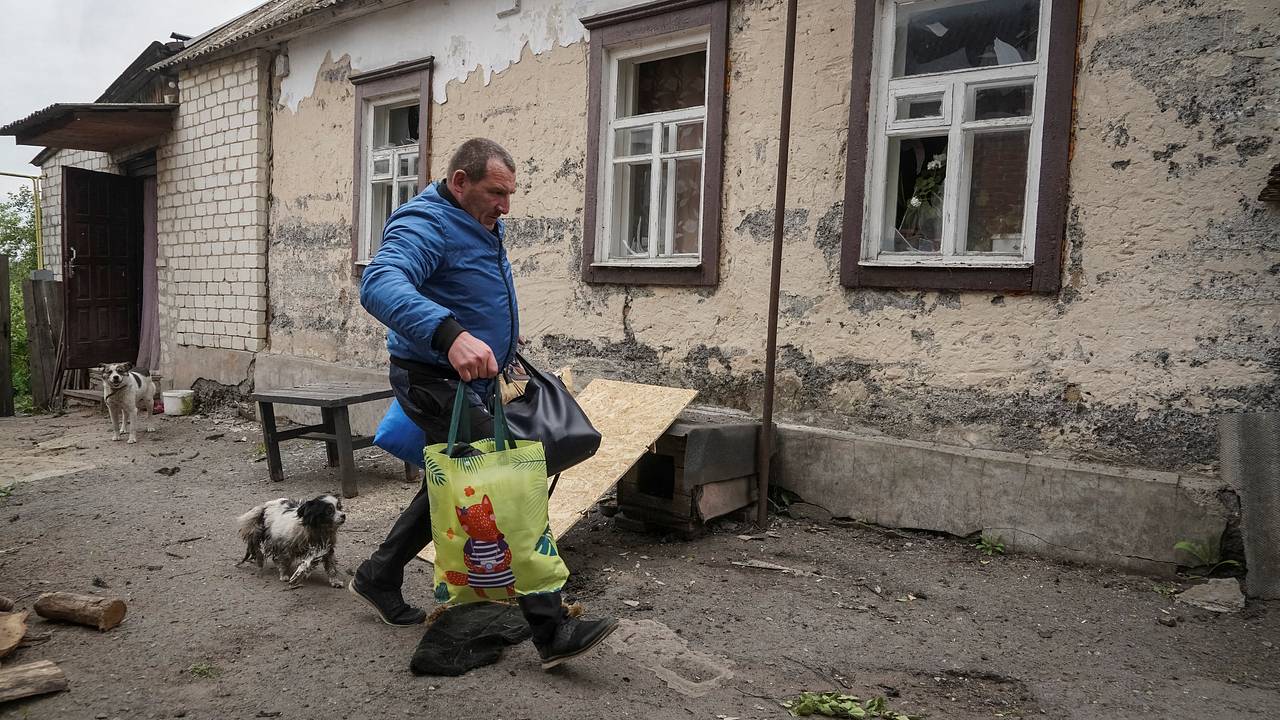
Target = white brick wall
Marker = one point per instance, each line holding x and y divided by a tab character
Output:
212	209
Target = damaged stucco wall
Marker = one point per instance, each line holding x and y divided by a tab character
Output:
1167	316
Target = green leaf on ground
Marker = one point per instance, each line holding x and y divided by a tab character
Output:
839	705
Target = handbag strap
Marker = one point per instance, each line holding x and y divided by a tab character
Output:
501	431
461	413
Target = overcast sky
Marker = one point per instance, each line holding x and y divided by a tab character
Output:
71	50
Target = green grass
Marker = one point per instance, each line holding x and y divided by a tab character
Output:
204	670
990	545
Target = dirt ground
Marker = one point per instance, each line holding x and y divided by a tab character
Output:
925	620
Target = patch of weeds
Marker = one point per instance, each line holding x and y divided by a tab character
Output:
839	705
205	670
260	448
7	490
1208	558
1165	589
990	545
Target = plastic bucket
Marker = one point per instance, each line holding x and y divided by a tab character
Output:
178	402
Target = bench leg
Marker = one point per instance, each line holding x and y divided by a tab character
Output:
346	457
268	413
331	448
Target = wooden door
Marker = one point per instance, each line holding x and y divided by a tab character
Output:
101	266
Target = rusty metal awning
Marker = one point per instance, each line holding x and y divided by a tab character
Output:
92	126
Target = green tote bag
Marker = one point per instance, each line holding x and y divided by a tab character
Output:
489	515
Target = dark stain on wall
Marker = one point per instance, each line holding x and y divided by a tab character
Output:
758	224
527	232
872	300
827	235
1163	58
299	234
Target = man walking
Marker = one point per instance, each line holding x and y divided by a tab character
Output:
442	285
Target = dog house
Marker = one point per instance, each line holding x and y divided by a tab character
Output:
698	470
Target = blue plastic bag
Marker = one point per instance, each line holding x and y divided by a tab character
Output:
400	436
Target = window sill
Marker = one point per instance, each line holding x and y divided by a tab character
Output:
957	263
654	263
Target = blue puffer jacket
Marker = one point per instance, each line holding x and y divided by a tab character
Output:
437	262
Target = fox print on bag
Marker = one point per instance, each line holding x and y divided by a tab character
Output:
486	554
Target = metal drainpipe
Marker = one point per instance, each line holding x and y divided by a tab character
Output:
35	201
765	446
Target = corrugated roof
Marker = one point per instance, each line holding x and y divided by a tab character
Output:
269	15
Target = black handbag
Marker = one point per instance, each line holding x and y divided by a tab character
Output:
545	411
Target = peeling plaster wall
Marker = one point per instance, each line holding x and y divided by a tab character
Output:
462	36
1168	314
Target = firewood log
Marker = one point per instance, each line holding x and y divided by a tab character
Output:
13	626
100	612
36	678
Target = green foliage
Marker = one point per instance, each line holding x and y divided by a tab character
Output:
1206	555
204	670
990	545
839	705
434	472
18	241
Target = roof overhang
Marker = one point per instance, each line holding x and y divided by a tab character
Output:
93	126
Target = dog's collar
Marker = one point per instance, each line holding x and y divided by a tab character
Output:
113	392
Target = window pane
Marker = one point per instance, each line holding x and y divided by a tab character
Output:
921	106
997	192
682	136
917	174
379	210
407	165
406	192
670	83
631	210
403	125
633	141
382	167
682	184
1002	102
984	33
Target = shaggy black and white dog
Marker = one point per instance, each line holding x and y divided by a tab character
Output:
295	535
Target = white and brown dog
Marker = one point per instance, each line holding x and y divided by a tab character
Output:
122	389
295	535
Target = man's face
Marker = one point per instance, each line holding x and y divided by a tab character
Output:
489	198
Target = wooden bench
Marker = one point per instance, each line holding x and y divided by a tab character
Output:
334	431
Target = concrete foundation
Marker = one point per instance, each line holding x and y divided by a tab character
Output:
1083	512
225	367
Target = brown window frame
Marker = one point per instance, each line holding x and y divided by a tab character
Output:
1045	273
369	86
644	22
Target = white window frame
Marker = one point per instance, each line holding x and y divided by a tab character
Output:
958	88
393	155
671	46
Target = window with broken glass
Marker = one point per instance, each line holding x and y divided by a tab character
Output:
955	141
391	159
650	212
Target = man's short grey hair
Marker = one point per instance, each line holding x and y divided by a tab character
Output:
474	156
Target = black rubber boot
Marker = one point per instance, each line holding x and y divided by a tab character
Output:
557	636
378	580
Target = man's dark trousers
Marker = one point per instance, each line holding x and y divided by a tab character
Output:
427	396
